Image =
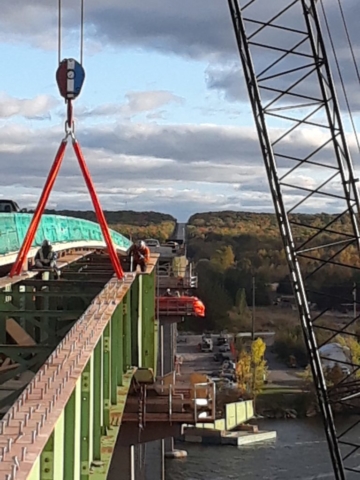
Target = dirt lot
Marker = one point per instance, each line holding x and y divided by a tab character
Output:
194	360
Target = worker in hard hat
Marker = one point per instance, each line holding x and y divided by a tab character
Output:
46	257
140	255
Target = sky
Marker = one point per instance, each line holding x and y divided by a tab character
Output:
163	119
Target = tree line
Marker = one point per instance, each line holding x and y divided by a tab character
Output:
134	225
229	248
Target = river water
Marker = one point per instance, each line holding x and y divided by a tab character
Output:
299	453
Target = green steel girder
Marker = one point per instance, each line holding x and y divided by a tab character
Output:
79	284
44	293
16	351
71	434
45	310
91	267
127	330
149	323
106	379
84	435
85	421
98	400
135	313
106	274
42	313
32	364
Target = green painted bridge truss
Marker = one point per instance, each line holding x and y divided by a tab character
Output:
65	422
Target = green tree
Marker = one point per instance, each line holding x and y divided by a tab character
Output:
212	292
223	258
240	303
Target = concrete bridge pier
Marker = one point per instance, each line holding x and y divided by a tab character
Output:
168	350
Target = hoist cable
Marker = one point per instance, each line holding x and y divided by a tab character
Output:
349	39
340	75
81	30
59	32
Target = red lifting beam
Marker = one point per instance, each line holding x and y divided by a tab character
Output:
98	210
30	235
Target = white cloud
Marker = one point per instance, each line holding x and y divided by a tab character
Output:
179	168
173	168
38	107
136	103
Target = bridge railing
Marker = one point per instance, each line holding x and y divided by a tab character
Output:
181	277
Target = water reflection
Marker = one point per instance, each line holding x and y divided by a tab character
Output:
299	453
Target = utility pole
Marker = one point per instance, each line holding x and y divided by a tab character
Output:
354	299
253	308
252	341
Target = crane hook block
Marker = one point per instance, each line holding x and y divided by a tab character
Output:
70	77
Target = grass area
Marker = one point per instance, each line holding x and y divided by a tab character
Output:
274	318
277	400
281	389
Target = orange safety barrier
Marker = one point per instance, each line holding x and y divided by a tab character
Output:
184	306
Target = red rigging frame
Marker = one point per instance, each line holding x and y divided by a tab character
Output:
30	235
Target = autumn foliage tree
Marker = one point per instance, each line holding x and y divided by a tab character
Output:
251	368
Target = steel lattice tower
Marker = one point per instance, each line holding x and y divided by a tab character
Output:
289	82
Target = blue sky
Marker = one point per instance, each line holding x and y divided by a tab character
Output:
163	118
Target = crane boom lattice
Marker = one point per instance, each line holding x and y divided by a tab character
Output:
309	168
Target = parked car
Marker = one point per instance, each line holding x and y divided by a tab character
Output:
222	338
224	348
221	357
9	206
228	365
152	242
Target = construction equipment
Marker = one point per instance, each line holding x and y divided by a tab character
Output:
306	157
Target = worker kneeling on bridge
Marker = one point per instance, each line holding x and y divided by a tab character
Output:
140	255
46	257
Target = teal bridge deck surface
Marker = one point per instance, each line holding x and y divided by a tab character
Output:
56	228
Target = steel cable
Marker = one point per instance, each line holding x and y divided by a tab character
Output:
340	75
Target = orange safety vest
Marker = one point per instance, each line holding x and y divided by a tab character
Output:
137	252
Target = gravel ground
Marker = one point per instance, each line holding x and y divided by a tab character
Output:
193	360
